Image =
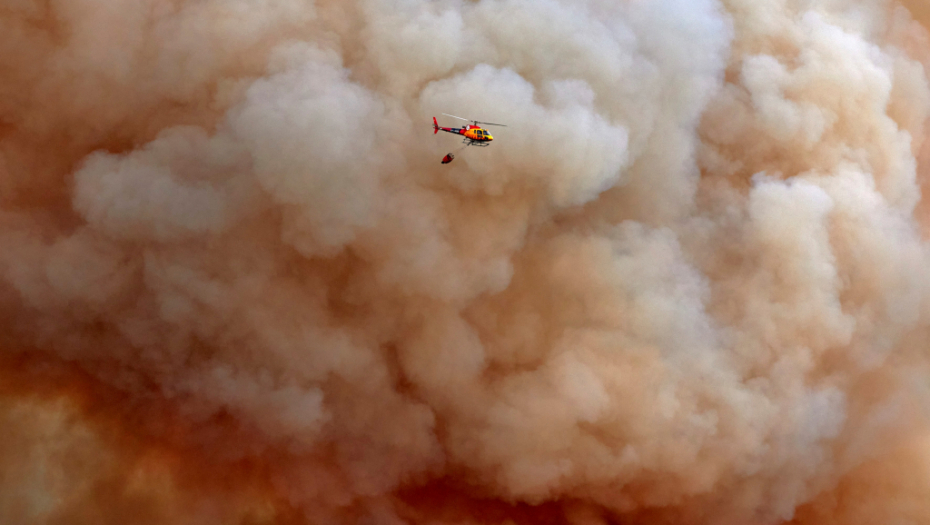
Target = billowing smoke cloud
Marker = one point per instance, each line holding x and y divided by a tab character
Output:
686	284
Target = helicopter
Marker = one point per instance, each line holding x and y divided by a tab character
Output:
474	134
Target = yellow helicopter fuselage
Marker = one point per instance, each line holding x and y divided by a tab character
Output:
478	134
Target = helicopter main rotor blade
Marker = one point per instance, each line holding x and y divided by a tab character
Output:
460	118
476	122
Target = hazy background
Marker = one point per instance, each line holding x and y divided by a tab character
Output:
686	285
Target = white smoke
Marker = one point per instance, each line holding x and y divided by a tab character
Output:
683	285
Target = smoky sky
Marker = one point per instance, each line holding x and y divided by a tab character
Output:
687	283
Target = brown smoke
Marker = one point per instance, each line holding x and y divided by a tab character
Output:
684	285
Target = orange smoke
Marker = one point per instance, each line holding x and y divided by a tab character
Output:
684	285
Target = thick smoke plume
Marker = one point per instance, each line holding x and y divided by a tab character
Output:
687	284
